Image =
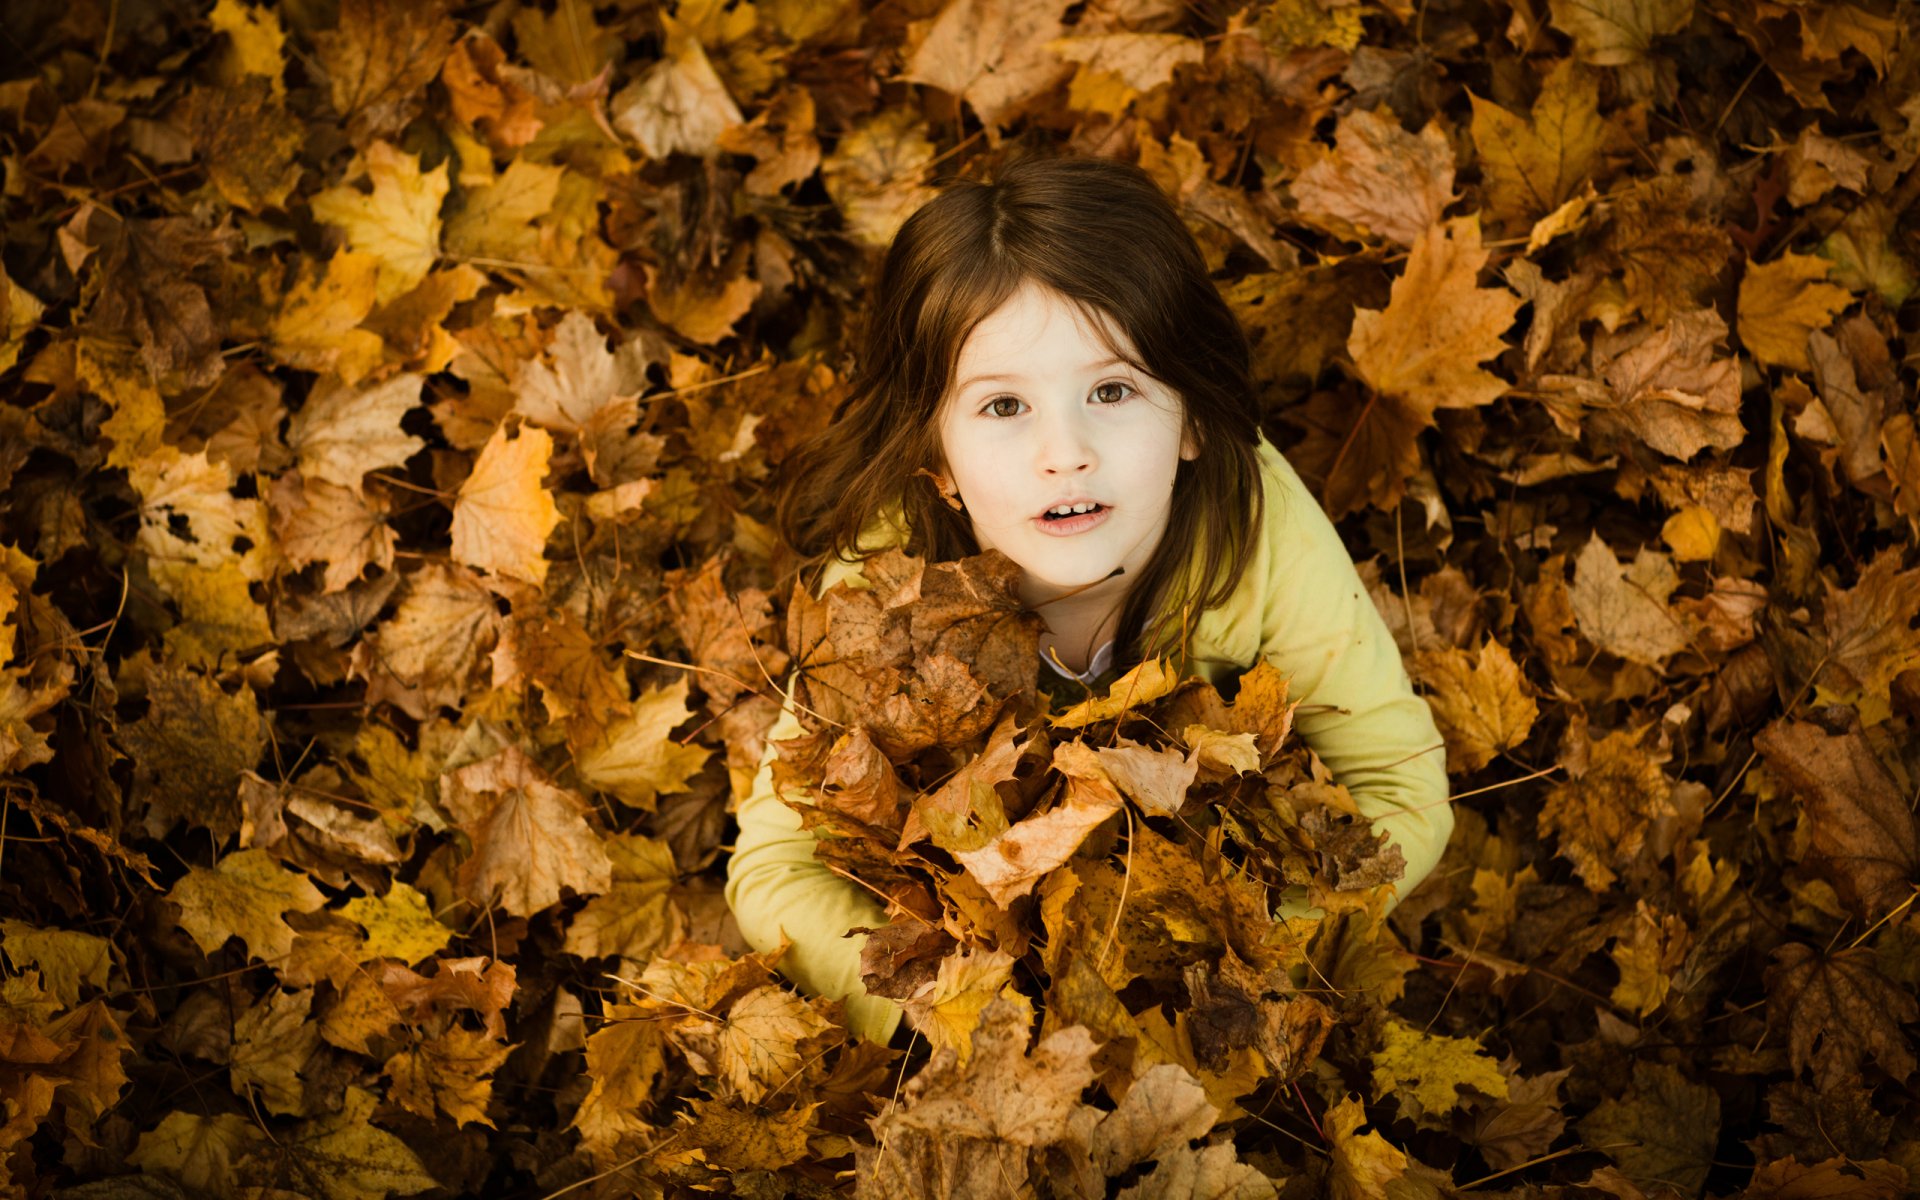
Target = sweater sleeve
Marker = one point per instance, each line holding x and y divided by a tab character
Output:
1357	709
778	889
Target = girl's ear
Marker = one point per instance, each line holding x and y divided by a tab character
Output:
1189	446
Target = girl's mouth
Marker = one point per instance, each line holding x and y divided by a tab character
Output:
1063	526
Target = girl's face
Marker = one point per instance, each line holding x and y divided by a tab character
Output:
1042	413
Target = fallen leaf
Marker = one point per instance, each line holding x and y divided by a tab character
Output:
398	223
1532	165
1379	180
504	513
1782	302
244	895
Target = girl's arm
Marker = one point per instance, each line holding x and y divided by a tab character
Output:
778	889
1320	628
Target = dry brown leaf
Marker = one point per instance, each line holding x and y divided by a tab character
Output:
1379	180
530	838
504	513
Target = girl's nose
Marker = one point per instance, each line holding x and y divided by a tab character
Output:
1065	448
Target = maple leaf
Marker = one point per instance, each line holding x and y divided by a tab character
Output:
190	749
1532	165
624	1059
1480	702
1856	814
1625	612
483	90
721	629
1869	626
994	53
678	104
1379	180
272	1042
65	958
317	325
377	60
196	1151
874	174
398	223
339	1156
636	916
450	1072
193	489
1649	958
320	522
1525	1125
1616	33
496	220
503	515
577	683
635	759
421	656
946	1009
1784	301
529	837
255	41
1668	390
1664	1127
1425	1070
1602	815
249	142
586	390
1115	68
1010	863
244	895
983	1119
1423	350
399	924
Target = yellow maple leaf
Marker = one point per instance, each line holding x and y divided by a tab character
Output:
636	916
763	1043
1425	347
1426	1070
624	1059
219	618
875	174
1481	705
451	1072
317	326
946	1009
1649	957
994	53
421	656
1120	66
1532	165
1782	303
399	924
636	759
255	42
66	958
1365	1165
197	1152
496	222
503	515
244	894
398	223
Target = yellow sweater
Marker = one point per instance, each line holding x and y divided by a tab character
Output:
1300	605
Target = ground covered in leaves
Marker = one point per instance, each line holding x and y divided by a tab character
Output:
388	609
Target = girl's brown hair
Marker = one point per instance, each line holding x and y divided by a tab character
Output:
1102	235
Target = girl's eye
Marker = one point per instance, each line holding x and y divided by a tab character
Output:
994	409
1112	393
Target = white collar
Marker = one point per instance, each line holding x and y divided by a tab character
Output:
1102	659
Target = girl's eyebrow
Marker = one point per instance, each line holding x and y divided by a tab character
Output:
968	382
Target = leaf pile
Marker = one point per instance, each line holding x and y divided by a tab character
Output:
389	610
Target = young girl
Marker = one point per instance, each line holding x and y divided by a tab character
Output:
1047	371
